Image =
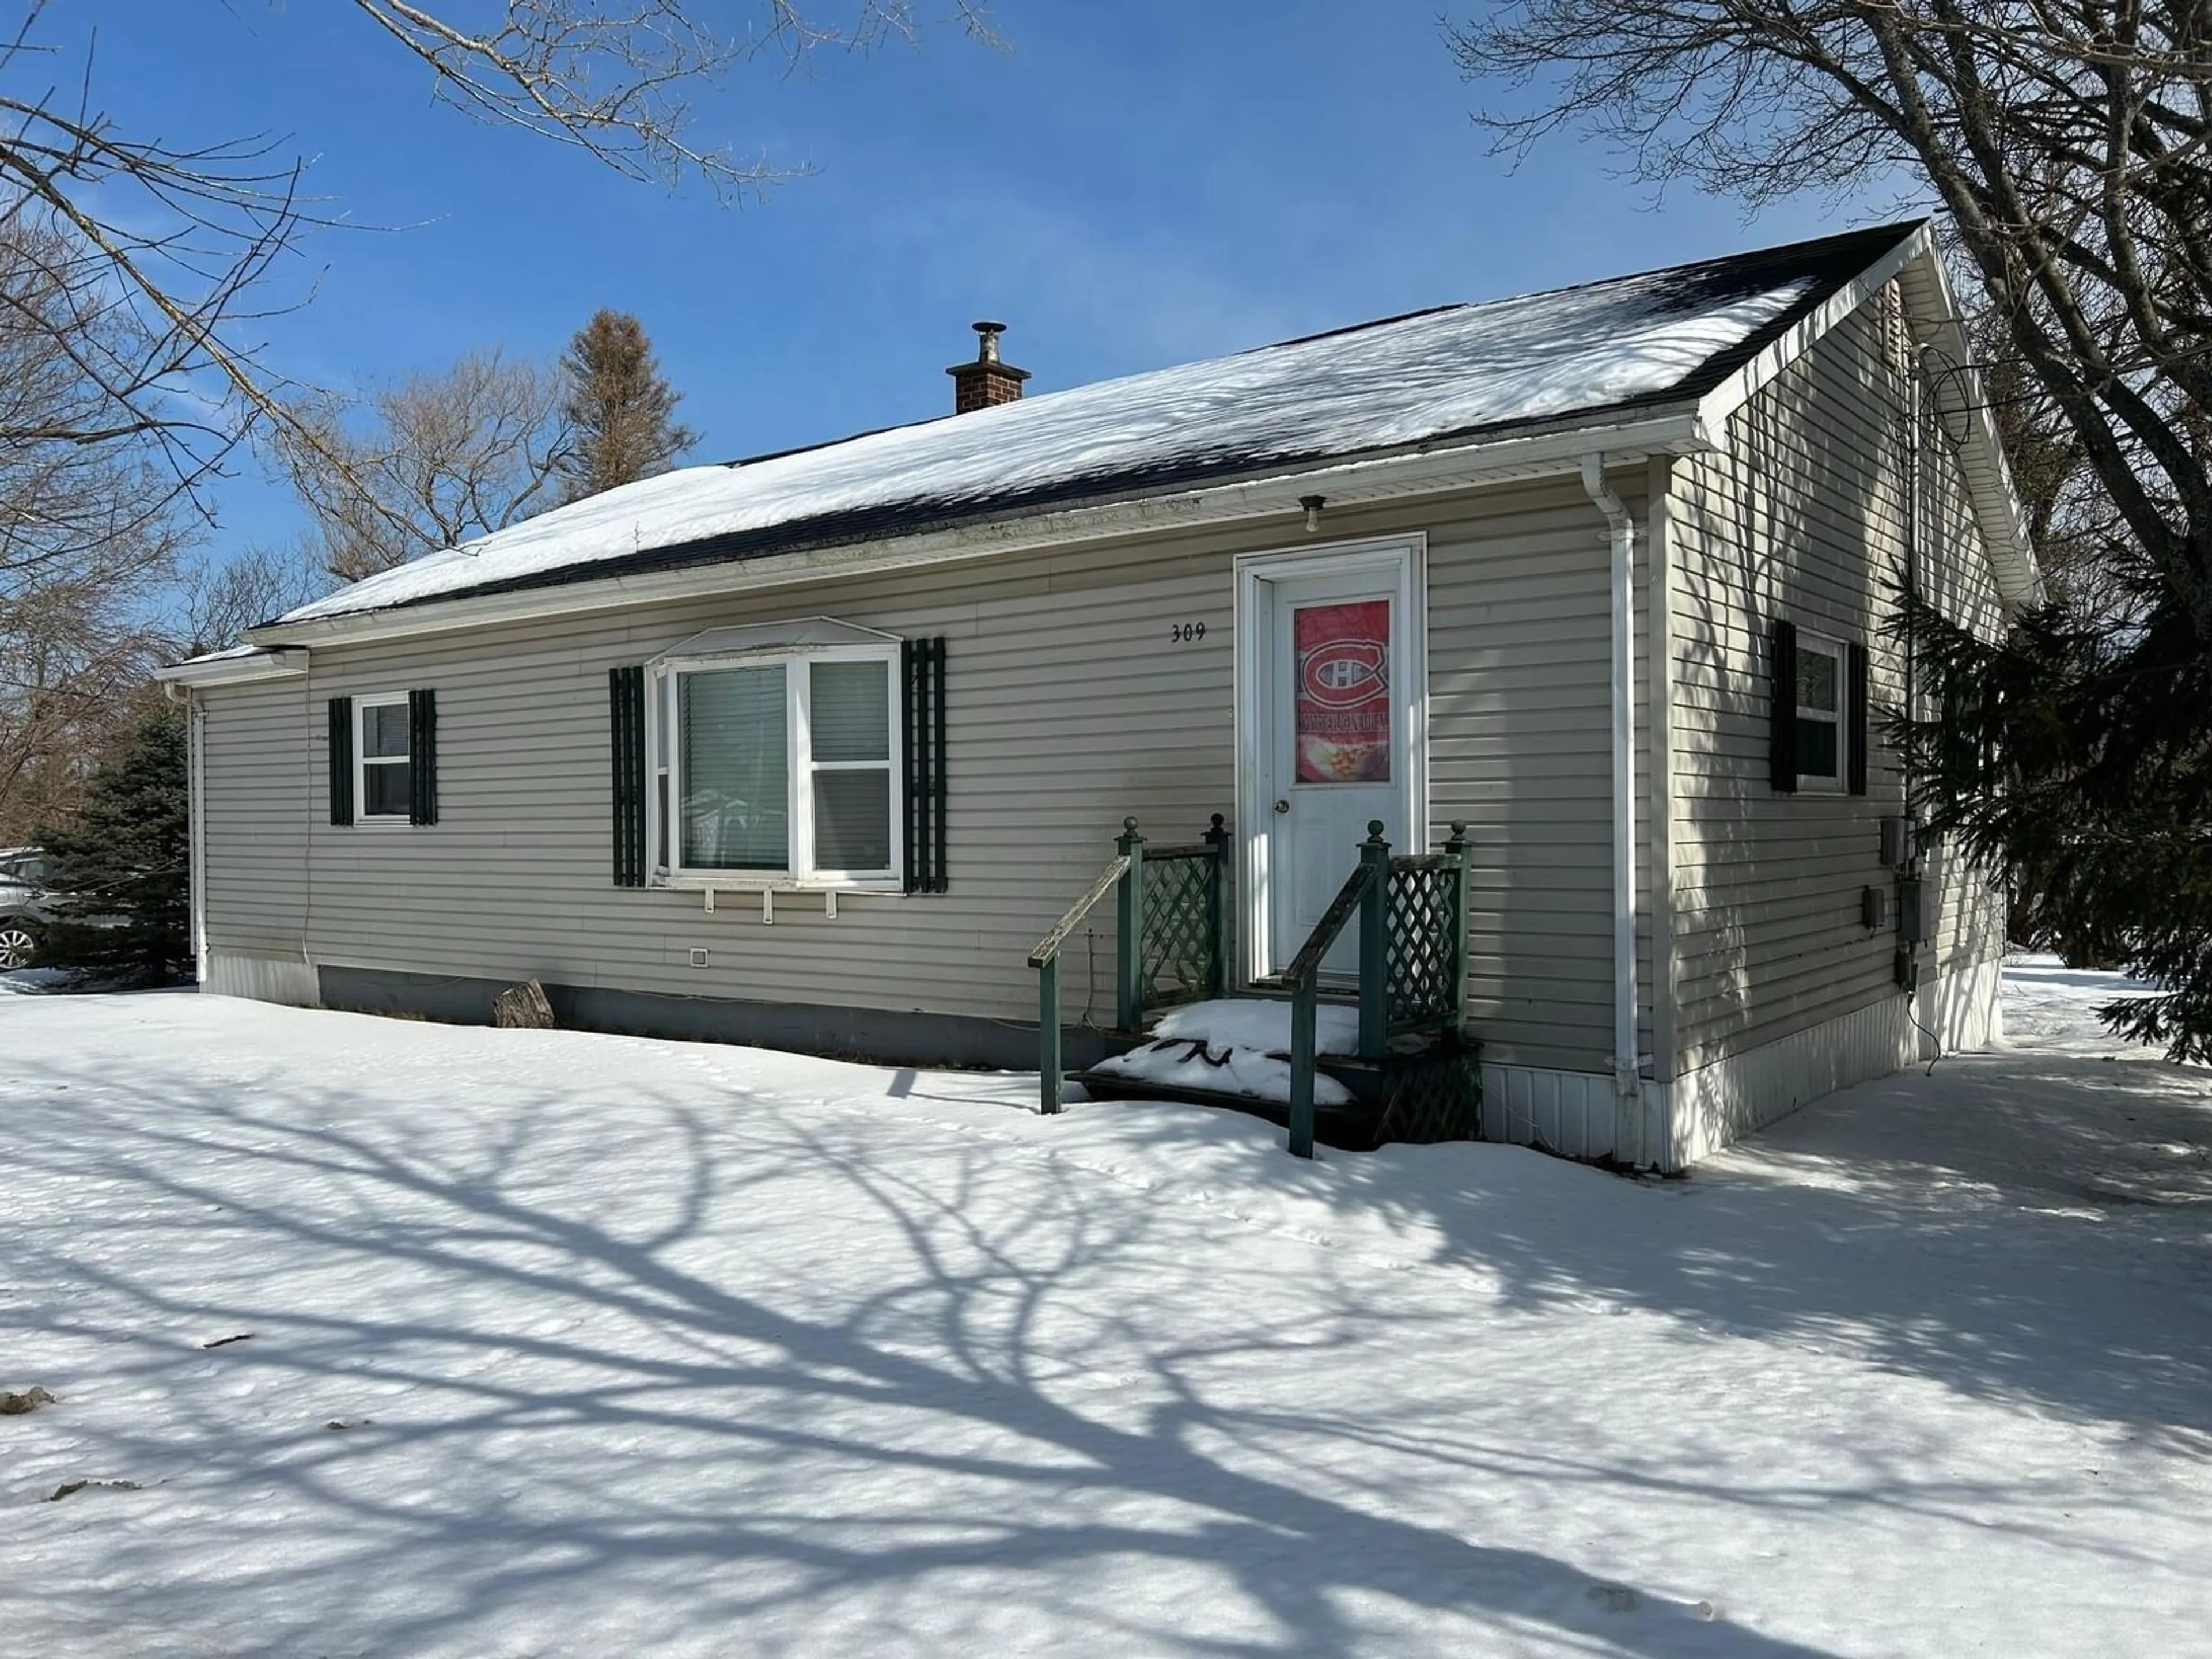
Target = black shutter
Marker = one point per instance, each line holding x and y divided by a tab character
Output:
341	759
937	779
921	735
1855	716
909	757
626	725
1782	731
421	757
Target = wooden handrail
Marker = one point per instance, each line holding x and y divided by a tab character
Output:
1303	978
1125	873
1048	946
1366	891
1046	960
1307	962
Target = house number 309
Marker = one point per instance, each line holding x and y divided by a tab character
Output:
1185	632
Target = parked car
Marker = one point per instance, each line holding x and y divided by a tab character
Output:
26	904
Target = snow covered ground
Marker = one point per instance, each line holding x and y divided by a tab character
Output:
412	1340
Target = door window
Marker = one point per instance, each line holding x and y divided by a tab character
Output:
1342	720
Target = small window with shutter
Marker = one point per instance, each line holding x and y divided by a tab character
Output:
1820	713
1818	734
384	758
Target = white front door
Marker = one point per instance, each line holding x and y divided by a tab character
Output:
1334	730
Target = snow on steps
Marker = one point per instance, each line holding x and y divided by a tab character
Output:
1236	1052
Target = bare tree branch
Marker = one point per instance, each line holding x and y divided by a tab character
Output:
426	463
2068	142
221	600
89	531
611	81
186	237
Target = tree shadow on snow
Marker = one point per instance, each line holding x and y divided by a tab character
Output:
787	1377
2029	1226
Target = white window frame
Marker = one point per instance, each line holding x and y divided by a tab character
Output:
362	761
1822	783
664	827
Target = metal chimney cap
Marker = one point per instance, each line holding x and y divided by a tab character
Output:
987	352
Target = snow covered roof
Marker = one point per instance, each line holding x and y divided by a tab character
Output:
1459	373
234	653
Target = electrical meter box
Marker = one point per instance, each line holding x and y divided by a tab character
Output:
1873	908
1896	841
1915	911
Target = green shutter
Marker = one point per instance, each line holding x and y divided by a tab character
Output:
1855	716
342	760
921	734
626	728
421	757
1782	728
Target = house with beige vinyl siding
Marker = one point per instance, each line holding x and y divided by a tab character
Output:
811	751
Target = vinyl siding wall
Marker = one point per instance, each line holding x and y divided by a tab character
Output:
1069	707
1802	517
258	799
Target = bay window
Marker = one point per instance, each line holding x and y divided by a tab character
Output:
777	762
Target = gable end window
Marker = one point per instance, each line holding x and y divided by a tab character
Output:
1818	737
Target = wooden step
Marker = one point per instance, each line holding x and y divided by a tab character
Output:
1350	1127
1420	1093
1271	989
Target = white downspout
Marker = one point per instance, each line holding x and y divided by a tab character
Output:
195	817
1625	1061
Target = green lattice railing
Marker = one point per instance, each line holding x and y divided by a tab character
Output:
1179	954
1426	910
1171	936
1413	958
1170	947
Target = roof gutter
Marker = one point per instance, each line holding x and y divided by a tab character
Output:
268	663
1346	483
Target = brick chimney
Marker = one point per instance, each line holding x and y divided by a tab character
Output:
987	382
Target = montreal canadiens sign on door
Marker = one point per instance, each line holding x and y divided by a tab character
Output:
1343	714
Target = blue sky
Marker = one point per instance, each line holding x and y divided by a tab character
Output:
1128	186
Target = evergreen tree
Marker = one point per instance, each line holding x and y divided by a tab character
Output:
621	412
122	868
2073	756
